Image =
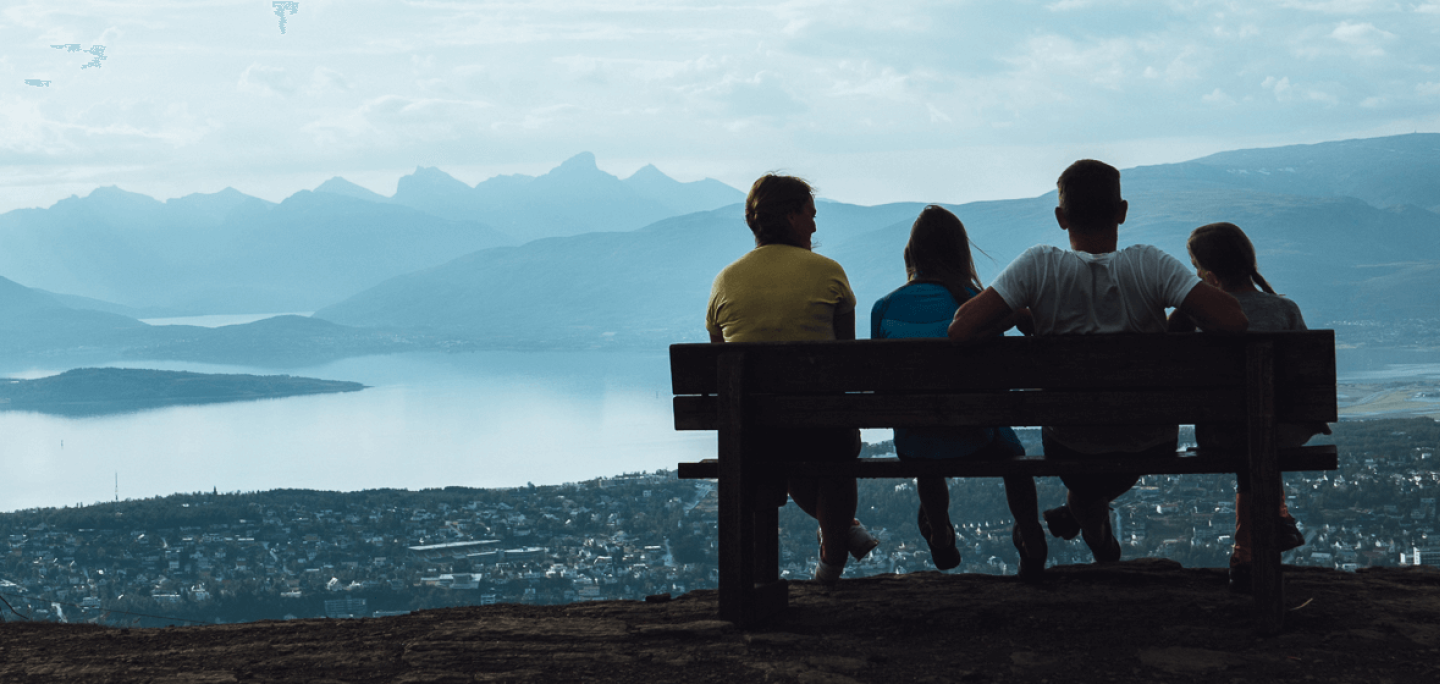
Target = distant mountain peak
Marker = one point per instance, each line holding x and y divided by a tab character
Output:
334	184
115	191
701	195
585	161
110	197
340	186
431	176
648	172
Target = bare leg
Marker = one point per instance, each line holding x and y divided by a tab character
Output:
804	493
1024	506
1093	514
1024	502
934	500
831	501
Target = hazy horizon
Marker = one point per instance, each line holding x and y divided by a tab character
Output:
935	102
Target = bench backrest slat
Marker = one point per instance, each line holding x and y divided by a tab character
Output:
1009	408
1073	380
1059	362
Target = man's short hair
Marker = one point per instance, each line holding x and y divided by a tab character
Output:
1089	194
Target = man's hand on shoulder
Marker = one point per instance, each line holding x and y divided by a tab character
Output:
1178	322
1024	321
980	317
1214	310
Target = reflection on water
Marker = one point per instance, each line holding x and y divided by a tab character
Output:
491	419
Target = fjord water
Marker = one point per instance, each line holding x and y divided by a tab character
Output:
478	419
482	419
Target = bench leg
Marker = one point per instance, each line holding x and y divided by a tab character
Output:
770	595
750	588
1266	581
737	534
767	544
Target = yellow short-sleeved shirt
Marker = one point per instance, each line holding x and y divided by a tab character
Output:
779	293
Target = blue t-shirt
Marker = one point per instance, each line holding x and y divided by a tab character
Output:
924	309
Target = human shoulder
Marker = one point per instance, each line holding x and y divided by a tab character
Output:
918	288
1020	282
790	254
1146	252
1038	256
1045	252
1270	312
807	255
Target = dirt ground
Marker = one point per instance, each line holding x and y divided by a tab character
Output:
1137	621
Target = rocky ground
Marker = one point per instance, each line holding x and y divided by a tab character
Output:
1137	621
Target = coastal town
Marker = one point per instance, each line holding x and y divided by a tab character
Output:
231	557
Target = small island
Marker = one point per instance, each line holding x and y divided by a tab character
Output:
99	391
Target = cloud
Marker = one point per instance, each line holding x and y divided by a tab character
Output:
258	79
869	80
1053	59
390	120
1363	38
324	80
1217	97
763	94
1337	6
1287	92
1280	86
692	83
27	129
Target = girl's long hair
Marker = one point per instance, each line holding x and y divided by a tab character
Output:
939	252
1225	250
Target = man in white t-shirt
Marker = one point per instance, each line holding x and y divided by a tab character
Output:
1095	289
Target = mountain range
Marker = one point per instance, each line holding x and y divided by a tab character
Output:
1341	256
229	252
578	257
573	198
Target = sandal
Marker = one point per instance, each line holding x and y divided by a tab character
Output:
827	573
1288	535
1240	578
1032	563
945	556
1109	547
859	541
1062	523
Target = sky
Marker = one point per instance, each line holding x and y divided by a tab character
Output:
951	101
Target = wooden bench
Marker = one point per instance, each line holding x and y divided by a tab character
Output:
1255	379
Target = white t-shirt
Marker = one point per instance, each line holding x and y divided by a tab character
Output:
1078	293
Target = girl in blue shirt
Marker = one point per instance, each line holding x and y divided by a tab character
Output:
941	275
